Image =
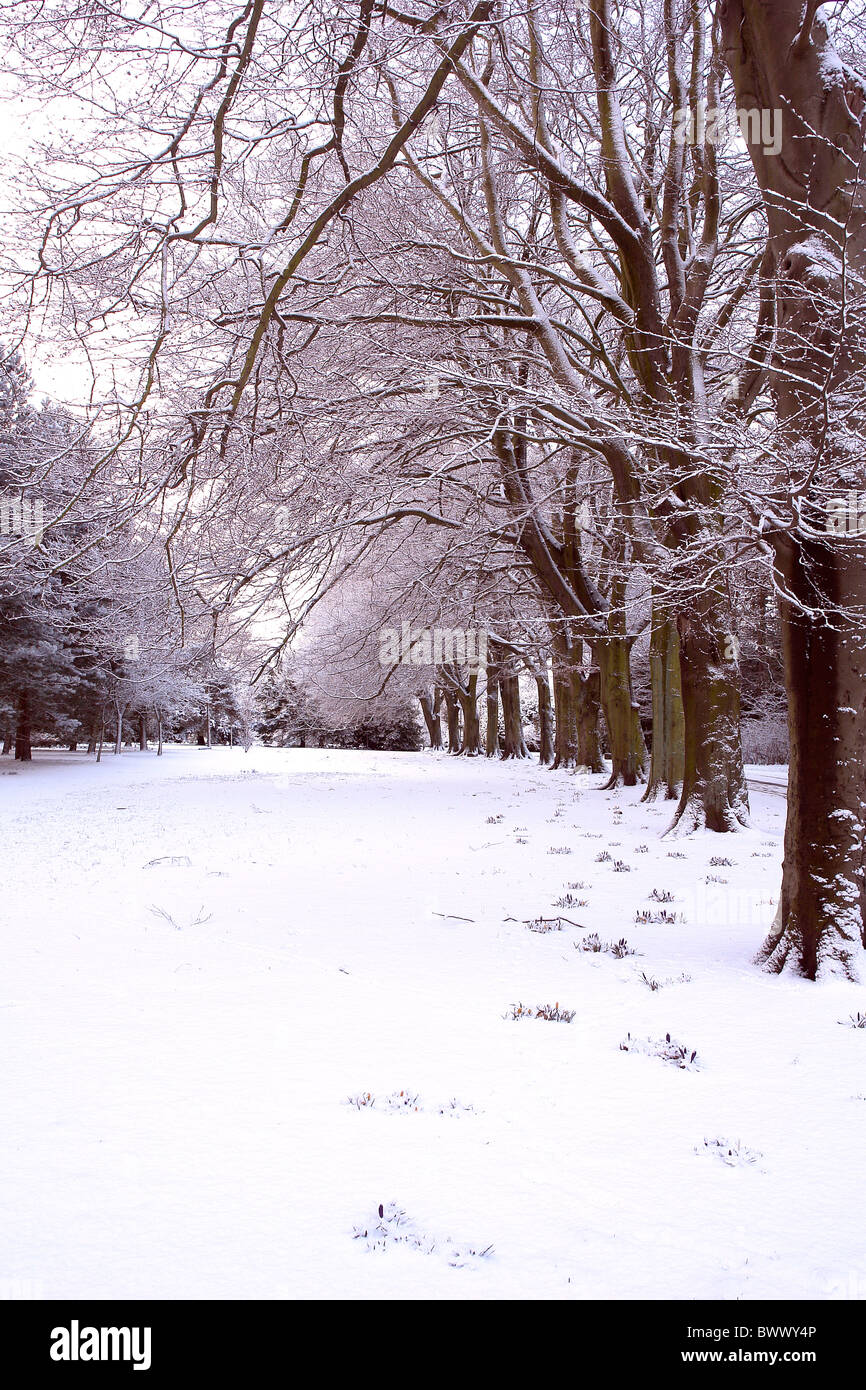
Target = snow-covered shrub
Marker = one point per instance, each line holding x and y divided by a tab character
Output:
732	1152
551	1013
595	945
765	740
668	1050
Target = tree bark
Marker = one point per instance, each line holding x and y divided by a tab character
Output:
468	697
514	744
667	753
586	696
816	212
565	732
545	720
23	746
625	736
432	719
491	741
822	909
452	719
142	732
714	793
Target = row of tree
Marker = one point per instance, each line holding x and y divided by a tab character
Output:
443	315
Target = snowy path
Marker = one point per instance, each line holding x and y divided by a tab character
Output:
174	1091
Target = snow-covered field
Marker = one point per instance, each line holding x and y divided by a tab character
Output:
207	955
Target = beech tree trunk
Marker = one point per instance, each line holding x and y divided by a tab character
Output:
822	909
23	747
667	753
514	745
432	719
468	697
565	733
628	753
545	720
452	718
491	742
586	695
714	791
781	51
142	732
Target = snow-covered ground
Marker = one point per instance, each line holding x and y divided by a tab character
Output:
207	955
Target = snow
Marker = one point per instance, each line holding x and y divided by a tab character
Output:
204	1100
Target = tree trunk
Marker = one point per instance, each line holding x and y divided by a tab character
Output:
118	742
816	212
23	747
714	793
667	756
491	742
514	745
586	695
452	719
821	920
142	732
627	747
432	719
8	741
468	697
159	735
545	720
565	732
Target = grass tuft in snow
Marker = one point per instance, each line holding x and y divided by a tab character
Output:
197	921
668	1050
394	1227
569	900
543	925
857	1020
406	1101
595	945
551	1013
732	1152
